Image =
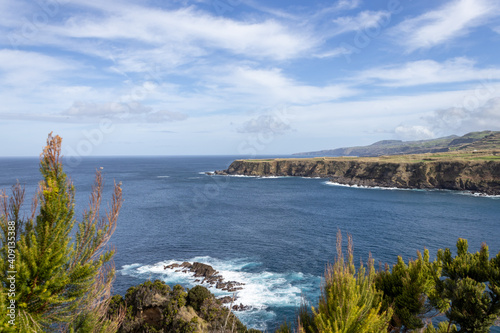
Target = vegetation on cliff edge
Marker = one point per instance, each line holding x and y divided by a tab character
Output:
155	307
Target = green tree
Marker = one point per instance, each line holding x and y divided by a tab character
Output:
406	289
349	302
62	282
470	288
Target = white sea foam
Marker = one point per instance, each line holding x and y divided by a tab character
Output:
272	177
468	193
163	176
475	194
249	176
368	187
262	290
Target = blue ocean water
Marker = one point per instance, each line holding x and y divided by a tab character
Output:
274	234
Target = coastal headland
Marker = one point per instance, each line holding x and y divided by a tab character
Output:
475	171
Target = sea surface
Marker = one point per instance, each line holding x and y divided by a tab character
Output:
276	235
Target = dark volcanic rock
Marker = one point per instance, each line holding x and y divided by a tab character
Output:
204	270
226	299
209	275
240	307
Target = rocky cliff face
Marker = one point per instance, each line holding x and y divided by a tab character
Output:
467	175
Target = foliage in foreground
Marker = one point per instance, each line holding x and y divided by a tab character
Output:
349	302
464	289
61	283
469	288
405	288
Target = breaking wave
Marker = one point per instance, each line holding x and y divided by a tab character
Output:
263	291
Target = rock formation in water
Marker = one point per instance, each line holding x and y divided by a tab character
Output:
208	274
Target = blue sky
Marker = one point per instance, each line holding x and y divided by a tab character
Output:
243	76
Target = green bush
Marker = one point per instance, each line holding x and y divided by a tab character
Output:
349	302
196	296
406	287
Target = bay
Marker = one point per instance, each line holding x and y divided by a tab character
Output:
274	234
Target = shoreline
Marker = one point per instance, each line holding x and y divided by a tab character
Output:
475	172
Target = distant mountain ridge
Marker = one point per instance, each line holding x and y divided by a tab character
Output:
470	141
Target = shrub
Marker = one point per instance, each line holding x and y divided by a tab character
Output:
349	302
61	283
196	296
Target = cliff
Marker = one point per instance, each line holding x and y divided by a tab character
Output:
476	172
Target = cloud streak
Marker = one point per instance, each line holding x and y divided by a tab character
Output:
135	112
364	20
429	72
189	28
453	20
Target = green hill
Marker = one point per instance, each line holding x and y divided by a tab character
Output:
472	141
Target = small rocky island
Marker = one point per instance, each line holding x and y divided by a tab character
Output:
208	275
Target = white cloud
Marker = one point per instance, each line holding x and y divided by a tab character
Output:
271	86
364	20
265	124
378	117
335	8
348	4
339	51
462	120
430	72
122	112
452	20
27	69
187	27
414	132
265	9
453	120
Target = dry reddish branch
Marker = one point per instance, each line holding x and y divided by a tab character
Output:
52	152
109	222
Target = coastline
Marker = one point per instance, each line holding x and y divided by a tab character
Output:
476	173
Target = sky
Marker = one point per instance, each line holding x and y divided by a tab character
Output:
246	77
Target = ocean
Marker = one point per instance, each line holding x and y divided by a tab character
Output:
276	235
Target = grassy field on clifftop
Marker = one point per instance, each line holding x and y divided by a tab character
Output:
461	155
